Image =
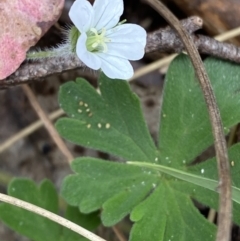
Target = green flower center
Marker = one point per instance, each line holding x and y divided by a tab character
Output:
96	41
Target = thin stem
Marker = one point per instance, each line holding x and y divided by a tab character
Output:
153	66
211	215
28	130
118	233
49	215
162	40
47	123
225	207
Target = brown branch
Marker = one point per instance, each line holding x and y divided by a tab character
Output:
167	40
162	40
225	201
207	45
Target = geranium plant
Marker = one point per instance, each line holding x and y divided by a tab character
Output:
153	182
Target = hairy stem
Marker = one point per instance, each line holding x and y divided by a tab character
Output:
162	40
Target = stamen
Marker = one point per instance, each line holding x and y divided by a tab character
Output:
122	22
95	45
94	30
96	41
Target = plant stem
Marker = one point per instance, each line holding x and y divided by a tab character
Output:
225	202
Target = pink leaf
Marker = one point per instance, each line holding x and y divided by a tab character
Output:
22	24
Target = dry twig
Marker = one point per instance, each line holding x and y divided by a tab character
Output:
47	123
51	216
28	130
118	233
162	40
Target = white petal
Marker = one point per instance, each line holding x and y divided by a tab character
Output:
89	59
82	14
131	51
128	33
115	67
127	41
107	13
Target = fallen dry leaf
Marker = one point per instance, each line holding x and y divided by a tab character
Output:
22	24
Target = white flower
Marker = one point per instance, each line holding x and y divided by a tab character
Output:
103	43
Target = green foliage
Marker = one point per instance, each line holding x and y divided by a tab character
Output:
157	186
185	129
36	227
110	122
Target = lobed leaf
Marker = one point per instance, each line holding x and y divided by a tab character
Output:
185	129
156	190
158	209
110	122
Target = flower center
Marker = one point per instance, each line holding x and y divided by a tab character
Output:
96	41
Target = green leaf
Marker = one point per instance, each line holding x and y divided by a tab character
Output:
169	215
110	122
158	209
114	184
201	181
159	201
89	221
34	226
184	122
208	169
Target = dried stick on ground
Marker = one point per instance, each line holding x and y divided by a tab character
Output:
225	202
162	40
51	216
47	123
